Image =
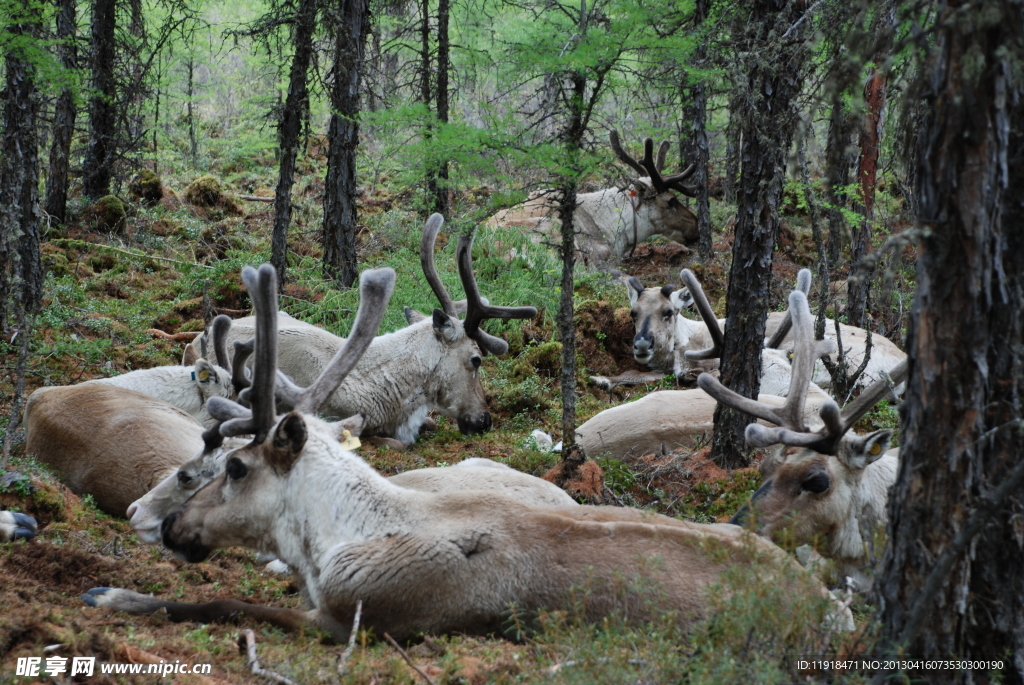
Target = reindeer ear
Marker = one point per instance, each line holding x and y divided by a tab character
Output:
859	451
681	299
443	326
412	316
347	431
636	289
204	372
289	439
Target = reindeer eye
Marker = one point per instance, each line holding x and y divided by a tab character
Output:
667	314
475	361
236	469
818	483
632	315
183	478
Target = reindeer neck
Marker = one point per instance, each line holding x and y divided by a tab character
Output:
334	497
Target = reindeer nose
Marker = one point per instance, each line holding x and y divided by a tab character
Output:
131	510
643	345
471	425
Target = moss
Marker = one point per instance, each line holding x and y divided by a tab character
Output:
206	192
147	187
108	214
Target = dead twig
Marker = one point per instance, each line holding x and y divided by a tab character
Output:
351	640
255	198
405	656
247	641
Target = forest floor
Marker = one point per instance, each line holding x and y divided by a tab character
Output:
109	282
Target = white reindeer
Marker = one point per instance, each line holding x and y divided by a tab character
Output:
187	388
833	490
663	338
611	223
431	364
421	561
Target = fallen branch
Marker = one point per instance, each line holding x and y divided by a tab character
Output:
134	655
176	337
405	656
255	198
85	245
351	640
247	641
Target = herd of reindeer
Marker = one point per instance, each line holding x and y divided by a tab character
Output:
255	448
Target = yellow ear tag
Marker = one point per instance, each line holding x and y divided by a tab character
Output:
349	441
876	449
204	375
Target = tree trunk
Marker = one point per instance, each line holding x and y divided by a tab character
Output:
288	130
772	84
696	143
340	213
99	155
21	274
951	581
64	114
193	143
838	177
441	203
867	172
573	139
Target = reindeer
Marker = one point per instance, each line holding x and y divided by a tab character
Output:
611	223
664	337
15	526
668	419
423	561
835	487
431	364
187	388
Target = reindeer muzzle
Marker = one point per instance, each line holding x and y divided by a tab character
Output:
192	551
473	425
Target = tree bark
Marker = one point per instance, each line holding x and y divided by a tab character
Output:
99	154
770	89
573	139
867	173
441	203
340	212
288	129
951	581
64	114
21	274
696	143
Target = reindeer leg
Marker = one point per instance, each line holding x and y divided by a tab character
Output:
210	612
627	378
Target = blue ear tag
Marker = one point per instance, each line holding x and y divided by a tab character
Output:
193	375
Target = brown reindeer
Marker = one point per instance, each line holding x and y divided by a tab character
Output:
832	489
425	561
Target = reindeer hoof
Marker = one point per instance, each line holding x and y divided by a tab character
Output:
601	382
21	526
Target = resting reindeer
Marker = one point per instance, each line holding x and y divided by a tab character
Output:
611	223
835	488
432	363
668	419
664	336
422	561
186	387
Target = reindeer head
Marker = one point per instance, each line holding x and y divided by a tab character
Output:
238	506
816	490
463	342
655	195
655	314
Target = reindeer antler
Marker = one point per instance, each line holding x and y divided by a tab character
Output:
375	288
430	231
803	284
790	415
219	330
477	308
706	313
648	166
243	350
